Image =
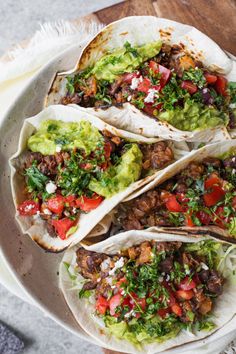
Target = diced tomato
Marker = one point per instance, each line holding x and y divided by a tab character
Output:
184	294
177	310
189	86
211	181
107	149
204	218
128	77
70	200
187	284
188	220
114	302
165	75
163	312
141	302
213	197
221	85
210	78
62	226
88	204
154	66
171	299
173	205
151	110
28	208
221	220
120	282
144	86
56	204
102	305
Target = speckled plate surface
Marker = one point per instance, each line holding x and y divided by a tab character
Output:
33	269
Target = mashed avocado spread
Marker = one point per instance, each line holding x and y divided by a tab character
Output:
194	117
82	135
122	60
118	177
66	136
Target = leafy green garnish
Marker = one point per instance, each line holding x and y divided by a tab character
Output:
36	180
196	76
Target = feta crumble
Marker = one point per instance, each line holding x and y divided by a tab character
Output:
58	148
118	264
135	82
51	187
152	93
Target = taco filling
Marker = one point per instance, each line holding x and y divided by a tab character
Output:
70	168
162	81
203	194
152	291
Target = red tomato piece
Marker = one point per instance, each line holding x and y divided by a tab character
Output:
56	204
213	197
154	66
120	282
128	77
188	221
144	86
114	302
62	226
163	312
221	220
187	284
102	305
28	208
173	205
182	198
86	166
184	294
189	86
141	302
165	75
221	85
177	310
211	181
88	204
70	200
210	78
203	217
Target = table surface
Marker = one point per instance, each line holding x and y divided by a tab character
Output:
217	19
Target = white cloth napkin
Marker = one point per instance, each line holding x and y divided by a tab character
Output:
48	42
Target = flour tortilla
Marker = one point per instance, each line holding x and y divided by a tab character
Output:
213	150
139	30
83	310
34	225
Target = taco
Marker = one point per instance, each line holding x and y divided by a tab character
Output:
71	169
160	73
142	292
196	196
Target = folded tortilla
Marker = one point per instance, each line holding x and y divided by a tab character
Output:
83	310
34	225
213	150
139	30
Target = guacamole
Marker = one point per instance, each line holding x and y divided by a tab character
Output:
118	177
122	60
194	117
56	135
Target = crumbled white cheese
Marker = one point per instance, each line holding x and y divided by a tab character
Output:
167	277
234	159
152	93
233	171
135	82
232	105
129	314
51	187
66	213
129	98
29	207
47	211
58	148
205	90
105	264
204	266
109	281
160	279
98	280
118	264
